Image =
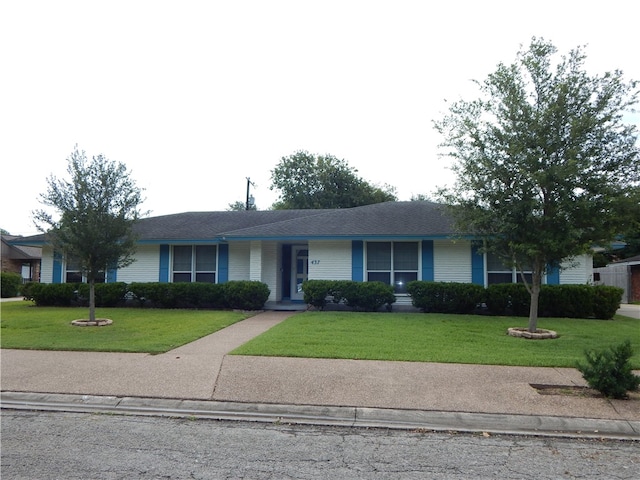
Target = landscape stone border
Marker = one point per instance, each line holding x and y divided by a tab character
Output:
99	322
539	334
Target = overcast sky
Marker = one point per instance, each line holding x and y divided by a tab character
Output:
196	96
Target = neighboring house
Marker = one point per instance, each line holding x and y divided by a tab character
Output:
624	274
392	242
21	259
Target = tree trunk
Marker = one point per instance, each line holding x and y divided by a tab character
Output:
536	282
92	300
533	309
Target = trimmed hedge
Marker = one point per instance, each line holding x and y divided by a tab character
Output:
508	299
570	301
10	284
51	294
368	296
178	295
245	294
107	294
445	297
365	296
606	301
242	295
316	292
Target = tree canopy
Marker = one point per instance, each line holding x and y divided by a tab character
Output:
323	181
545	166
239	206
96	211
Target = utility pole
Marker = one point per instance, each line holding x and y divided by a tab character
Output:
249	202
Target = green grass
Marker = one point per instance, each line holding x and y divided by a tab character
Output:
379	336
440	338
24	326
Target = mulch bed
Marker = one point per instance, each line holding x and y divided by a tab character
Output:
575	391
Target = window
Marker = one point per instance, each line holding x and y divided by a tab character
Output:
194	263
73	272
393	263
497	272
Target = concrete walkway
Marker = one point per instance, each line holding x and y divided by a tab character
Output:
200	379
632	311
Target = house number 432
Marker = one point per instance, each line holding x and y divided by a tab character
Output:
315	262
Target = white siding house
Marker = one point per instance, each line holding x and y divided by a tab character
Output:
145	266
330	259
46	265
452	261
578	271
393	242
239	261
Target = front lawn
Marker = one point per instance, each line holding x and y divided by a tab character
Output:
378	336
24	326
440	338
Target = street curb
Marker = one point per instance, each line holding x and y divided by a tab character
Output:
415	420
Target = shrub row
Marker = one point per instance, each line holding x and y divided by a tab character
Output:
51	294
445	297
177	295
242	295
10	284
365	296
571	301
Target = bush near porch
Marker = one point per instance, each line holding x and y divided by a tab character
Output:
570	301
10	284
365	296
240	295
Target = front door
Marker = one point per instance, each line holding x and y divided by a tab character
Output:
300	270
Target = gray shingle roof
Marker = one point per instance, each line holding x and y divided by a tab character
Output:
389	219
423	219
17	251
211	225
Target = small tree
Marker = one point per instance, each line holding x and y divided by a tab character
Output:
323	181
97	207
545	167
609	371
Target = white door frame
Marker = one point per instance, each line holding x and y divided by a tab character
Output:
299	275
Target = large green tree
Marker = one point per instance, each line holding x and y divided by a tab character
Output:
95	212
545	165
323	181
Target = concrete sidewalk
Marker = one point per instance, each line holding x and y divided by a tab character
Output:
199	379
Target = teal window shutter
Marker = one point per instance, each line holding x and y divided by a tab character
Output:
428	268
223	263
553	275
163	275
357	260
112	275
477	264
57	268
